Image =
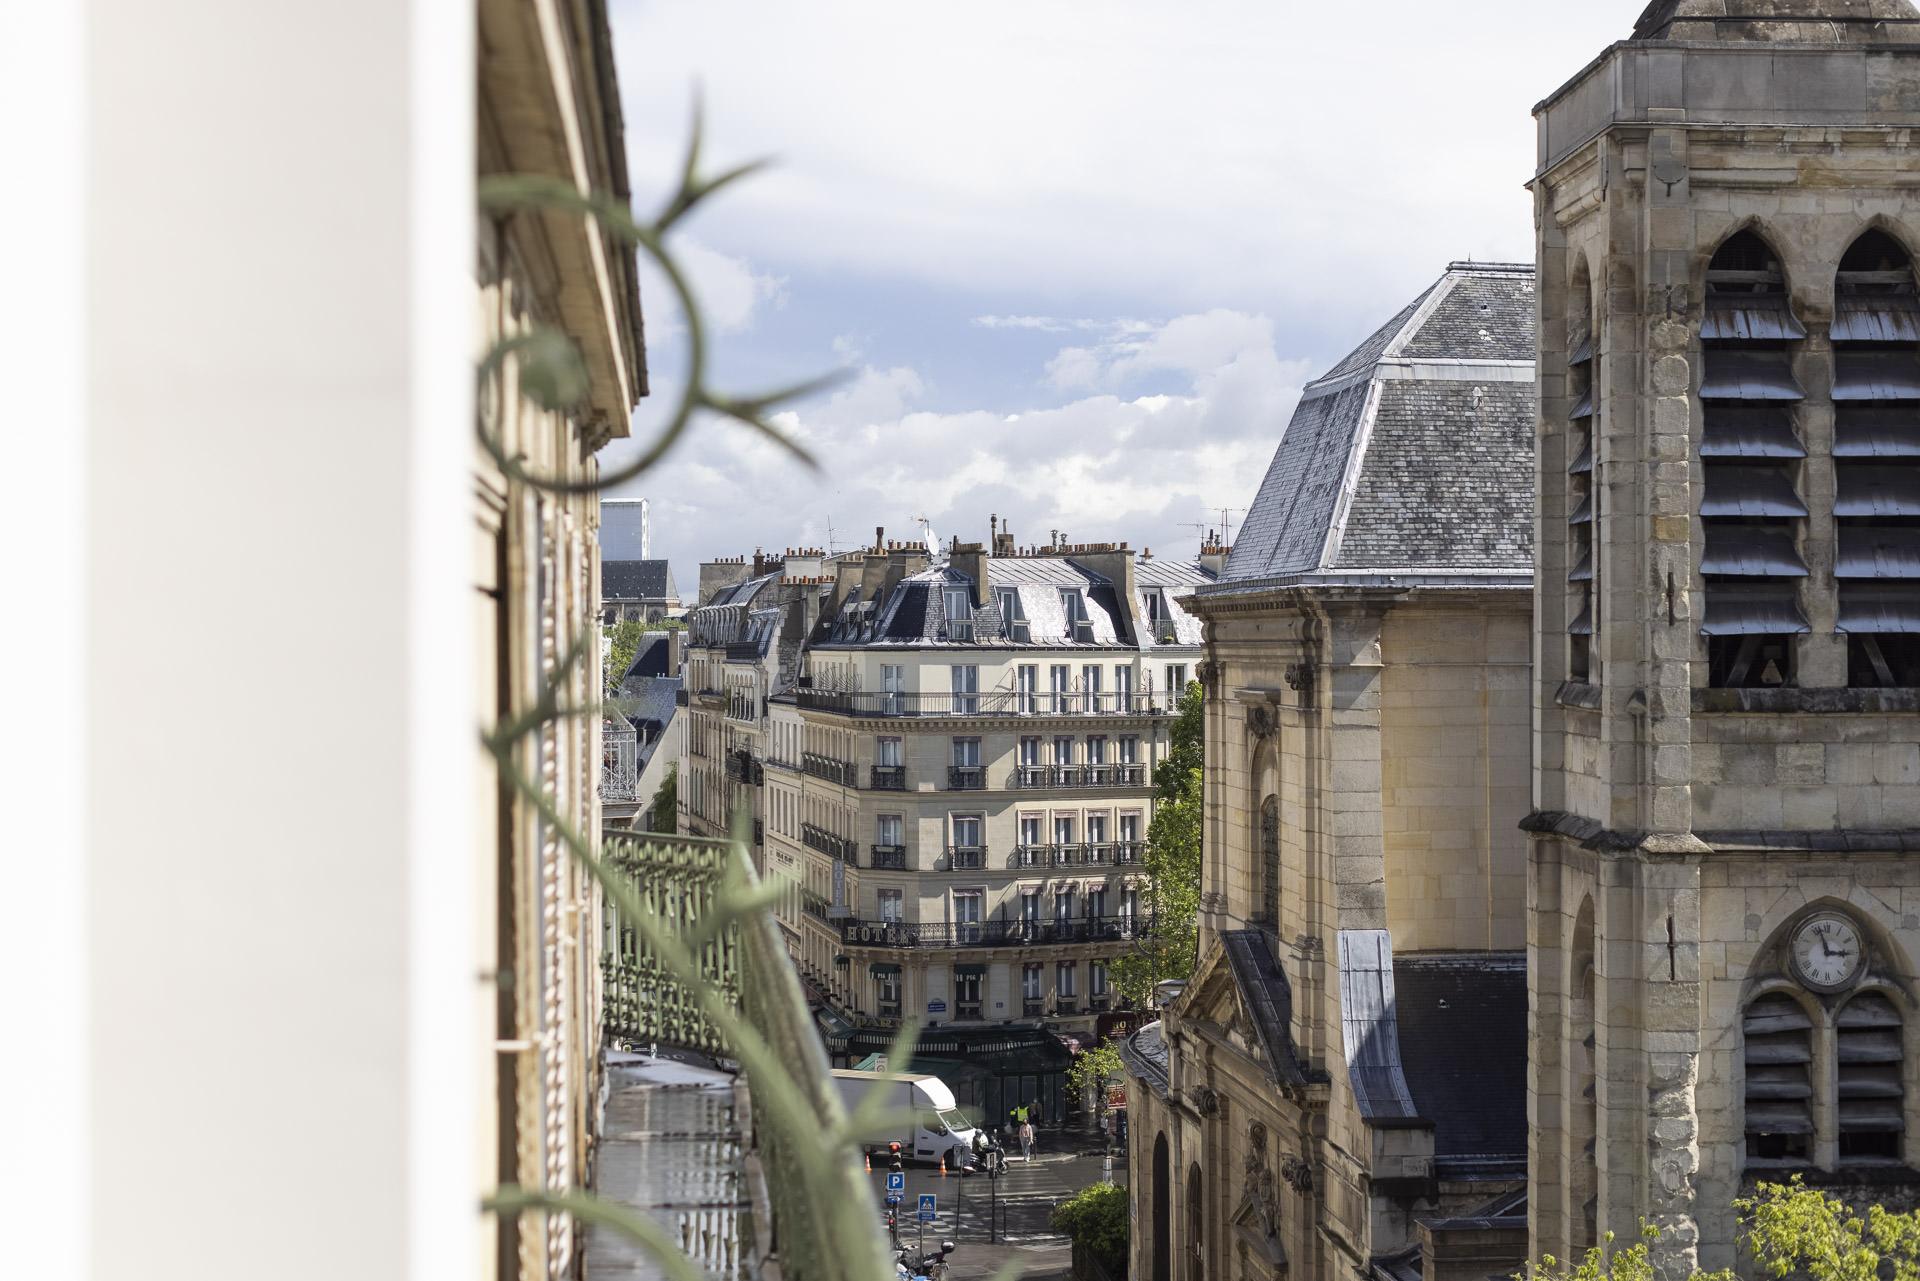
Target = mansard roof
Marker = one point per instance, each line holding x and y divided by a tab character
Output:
637	580
1784	21
1411	460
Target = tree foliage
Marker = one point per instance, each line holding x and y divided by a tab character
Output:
661	811
1172	859
1088	1074
1786	1230
623	642
1096	1217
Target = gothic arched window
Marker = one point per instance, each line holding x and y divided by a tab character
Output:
1270	860
1750	460
1779	1061
1876	455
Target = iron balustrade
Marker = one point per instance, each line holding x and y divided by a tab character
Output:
1033	1009
743	768
889	858
994	703
832	769
619	772
1066	1006
887	778
819	838
1008	933
1128	852
1098	1004
966	778
1046	776
1031	856
966	858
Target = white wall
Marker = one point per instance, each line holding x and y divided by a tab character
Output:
249	275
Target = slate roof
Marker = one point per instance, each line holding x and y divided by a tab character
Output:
637	580
1411	460
1146	1056
1463	1046
915	611
1268	999
1824	21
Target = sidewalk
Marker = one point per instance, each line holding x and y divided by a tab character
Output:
1052	1261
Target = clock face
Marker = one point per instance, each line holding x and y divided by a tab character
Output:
1827	952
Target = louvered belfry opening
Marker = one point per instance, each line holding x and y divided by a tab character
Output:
1872	1099
1751	456
1876	457
1779	1099
1583	390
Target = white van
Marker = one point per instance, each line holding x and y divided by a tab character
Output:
923	1117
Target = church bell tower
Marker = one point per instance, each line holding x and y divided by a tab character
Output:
1725	898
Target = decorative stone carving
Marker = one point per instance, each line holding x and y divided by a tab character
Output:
1207	672
1263	1193
1260	723
1296	1174
1206	1102
1300	677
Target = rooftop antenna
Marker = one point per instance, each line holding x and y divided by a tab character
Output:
926	535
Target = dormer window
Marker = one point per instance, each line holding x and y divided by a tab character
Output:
1013	621
959	603
1073	605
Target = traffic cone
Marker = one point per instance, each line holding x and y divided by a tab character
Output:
943	1165
868	1158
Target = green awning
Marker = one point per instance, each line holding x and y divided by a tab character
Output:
883	967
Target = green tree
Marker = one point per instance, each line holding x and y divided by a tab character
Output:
666	800
1088	1074
623	642
1173	859
1786	1230
1096	1217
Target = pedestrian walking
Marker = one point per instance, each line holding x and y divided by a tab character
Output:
1026	1141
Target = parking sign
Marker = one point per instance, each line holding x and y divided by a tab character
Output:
927	1203
896	1181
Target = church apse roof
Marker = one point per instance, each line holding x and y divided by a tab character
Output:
1411	460
1783	21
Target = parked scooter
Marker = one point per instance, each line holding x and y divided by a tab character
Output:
931	1266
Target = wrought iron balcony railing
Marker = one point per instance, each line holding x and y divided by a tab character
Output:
619	775
889	858
966	858
966	778
743	768
1013	933
1088	854
1098	1004
887	778
829	768
1033	1009
998	703
966	1009
819	838
1048	776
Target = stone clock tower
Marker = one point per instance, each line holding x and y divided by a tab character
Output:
1725	862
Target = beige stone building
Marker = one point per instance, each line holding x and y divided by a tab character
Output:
1339	1090
1725	903
548	104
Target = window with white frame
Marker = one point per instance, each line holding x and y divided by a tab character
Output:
891	905
1030	829
1097	902
1030	905
887	753
1063	749
1090	687
893	688
1097	749
889	829
1123	689
1074	606
1096	978
1063	905
968	913
1176	680
1027	688
1030	750
1063	829
1065	980
1033	981
1129	747
1060	688
966	689
966	753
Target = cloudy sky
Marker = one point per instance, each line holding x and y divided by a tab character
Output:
1075	258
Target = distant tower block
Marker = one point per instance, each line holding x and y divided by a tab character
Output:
624	529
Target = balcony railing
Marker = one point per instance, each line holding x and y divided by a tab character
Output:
819	838
966	778
889	858
966	858
1033	1009
1045	776
743	768
619	776
1066	1006
1098	1004
1014	933
1000	703
829	768
1088	854
966	1010
887	778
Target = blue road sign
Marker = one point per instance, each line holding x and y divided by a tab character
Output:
893	1198
927	1203
896	1180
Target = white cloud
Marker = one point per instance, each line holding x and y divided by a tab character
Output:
1215	153
1098	466
729	290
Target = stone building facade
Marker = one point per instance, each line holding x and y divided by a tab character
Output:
1348	1061
1725	907
545	77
